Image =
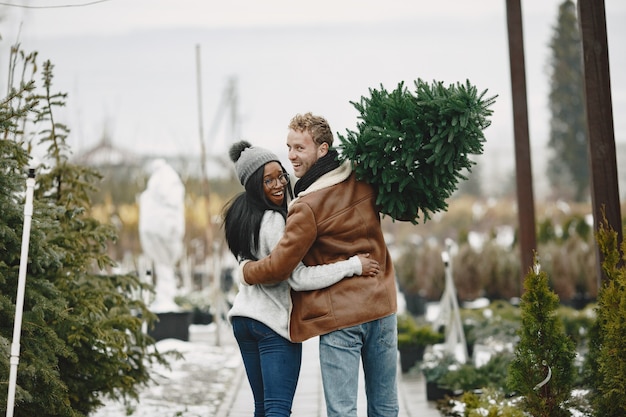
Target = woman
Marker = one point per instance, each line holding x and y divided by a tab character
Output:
254	221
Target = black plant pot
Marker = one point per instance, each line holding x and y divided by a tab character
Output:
409	356
415	304
434	392
172	325
202	316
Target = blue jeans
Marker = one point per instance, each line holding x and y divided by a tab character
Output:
376	344
272	364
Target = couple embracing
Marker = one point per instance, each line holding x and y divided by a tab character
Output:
317	265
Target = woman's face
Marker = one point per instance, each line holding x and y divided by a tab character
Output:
274	182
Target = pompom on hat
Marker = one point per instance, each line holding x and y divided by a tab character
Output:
248	159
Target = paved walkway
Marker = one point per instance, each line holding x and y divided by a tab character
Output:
309	399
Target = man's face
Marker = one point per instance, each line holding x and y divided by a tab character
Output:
303	151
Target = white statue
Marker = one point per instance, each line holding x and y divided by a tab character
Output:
162	229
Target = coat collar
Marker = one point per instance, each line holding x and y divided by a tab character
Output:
329	179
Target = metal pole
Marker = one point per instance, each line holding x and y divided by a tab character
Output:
206	191
200	113
216	291
21	286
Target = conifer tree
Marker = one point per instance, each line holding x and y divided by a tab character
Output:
568	168
542	371
606	360
414	147
81	337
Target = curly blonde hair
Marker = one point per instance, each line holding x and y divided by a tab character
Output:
317	126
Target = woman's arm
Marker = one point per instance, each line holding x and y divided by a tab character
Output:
306	278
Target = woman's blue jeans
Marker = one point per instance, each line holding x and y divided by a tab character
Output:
375	344
272	364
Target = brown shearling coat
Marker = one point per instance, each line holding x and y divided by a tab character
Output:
334	219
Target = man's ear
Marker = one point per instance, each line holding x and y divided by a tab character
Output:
322	150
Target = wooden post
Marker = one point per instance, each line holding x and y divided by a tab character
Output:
599	109
523	170
206	191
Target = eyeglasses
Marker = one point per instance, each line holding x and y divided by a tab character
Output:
282	179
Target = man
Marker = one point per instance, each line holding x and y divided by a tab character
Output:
333	217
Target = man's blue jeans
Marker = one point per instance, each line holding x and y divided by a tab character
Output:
376	344
272	364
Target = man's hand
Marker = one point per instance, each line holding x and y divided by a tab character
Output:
370	267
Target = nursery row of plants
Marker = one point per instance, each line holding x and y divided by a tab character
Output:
534	358
491	268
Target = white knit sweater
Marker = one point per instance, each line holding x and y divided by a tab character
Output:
271	304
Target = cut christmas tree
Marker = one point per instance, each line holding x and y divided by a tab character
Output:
413	146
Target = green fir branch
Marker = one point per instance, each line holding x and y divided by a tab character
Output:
413	146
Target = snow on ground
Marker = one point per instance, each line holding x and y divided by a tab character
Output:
195	384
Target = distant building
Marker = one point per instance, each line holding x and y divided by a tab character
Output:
105	154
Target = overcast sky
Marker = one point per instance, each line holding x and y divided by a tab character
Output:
57	17
130	65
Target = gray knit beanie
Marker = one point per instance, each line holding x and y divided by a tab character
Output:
248	159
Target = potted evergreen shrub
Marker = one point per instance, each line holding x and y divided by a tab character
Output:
469	377
542	371
198	303
413	338
606	361
435	366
